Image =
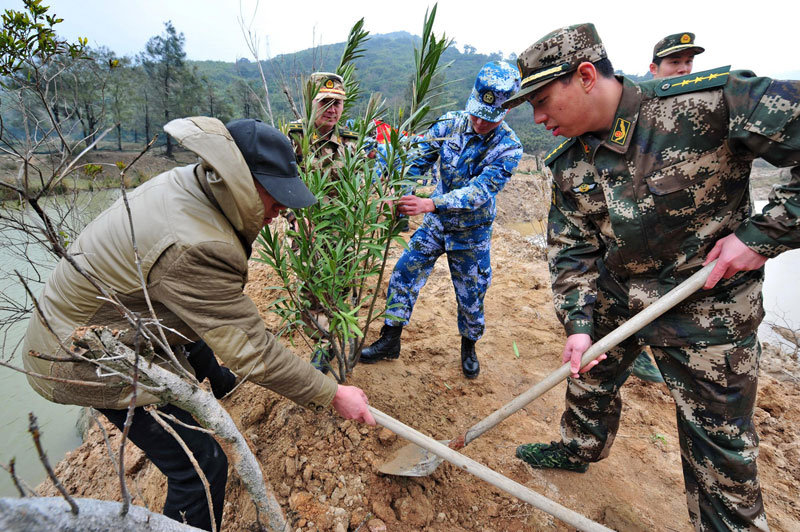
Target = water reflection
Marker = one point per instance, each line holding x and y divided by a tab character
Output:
781	294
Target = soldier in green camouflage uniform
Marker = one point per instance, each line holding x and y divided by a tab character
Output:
674	55
653	184
328	141
328	144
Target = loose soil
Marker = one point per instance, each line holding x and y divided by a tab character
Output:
323	469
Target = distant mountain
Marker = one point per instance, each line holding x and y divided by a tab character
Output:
386	67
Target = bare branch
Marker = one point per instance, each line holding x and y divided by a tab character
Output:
33	428
50	514
190	455
182	424
15	479
77	158
201	405
139	156
252	40
111	455
51	378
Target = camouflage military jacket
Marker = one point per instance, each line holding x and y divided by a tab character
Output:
636	212
328	150
473	170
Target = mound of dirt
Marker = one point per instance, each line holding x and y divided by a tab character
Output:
324	469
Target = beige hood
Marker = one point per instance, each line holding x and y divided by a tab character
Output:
238	198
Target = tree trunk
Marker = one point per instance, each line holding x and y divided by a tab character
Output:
169	139
166	110
92	123
53	515
146	119
201	404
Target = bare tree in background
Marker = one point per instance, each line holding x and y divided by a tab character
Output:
46	208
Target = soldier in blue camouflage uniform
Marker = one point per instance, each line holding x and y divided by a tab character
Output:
478	153
653	184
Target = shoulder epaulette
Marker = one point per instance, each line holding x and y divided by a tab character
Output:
561	148
294	127
693	82
347	133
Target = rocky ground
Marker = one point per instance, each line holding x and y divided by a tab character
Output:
324	469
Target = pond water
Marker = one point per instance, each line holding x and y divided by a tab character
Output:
781	293
58	423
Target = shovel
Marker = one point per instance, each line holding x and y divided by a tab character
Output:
494	478
414	461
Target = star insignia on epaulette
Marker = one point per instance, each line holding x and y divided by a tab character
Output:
700	81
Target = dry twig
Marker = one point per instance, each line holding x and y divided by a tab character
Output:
33	428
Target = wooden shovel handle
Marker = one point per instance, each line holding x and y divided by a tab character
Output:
612	339
492	477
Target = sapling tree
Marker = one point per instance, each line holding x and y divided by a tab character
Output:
335	260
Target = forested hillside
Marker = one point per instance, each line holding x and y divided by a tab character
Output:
386	68
143	92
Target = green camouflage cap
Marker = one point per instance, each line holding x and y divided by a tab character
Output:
330	85
557	53
676	42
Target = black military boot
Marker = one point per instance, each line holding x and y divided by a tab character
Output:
385	347
469	360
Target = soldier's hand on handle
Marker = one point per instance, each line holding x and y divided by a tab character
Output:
576	346
351	403
734	257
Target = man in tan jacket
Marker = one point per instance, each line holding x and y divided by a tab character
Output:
193	226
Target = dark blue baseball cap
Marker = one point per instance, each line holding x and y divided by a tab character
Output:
271	159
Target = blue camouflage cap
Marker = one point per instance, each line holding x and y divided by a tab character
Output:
497	81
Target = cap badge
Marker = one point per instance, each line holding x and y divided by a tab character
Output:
488	98
685	38
329	84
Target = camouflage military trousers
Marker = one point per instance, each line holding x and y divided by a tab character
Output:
470	271
714	388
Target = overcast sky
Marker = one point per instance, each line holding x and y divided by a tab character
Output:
762	37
